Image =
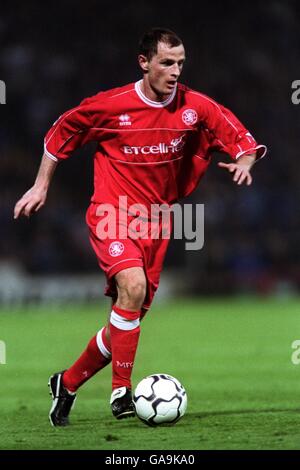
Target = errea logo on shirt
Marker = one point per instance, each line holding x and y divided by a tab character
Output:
124	120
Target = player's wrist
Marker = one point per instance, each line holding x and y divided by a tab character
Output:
247	160
41	186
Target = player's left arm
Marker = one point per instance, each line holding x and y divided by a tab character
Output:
230	136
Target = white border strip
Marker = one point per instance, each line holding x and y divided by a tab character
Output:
154	104
104	351
49	155
145	163
124	261
123	324
240	154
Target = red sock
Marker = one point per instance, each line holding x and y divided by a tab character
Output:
124	336
96	356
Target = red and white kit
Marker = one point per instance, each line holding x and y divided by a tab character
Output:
151	152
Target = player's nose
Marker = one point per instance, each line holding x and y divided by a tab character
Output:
175	71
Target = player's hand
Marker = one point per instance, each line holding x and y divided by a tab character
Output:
30	202
241	172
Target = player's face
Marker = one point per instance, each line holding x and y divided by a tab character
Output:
162	71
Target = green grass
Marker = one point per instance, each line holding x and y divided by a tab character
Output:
233	357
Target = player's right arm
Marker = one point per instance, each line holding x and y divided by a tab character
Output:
72	130
36	196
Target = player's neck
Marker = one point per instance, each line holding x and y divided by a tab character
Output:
150	93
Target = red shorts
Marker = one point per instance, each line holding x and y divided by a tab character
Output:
115	254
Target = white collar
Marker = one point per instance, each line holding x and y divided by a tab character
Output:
155	104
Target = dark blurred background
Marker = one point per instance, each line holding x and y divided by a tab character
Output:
244	55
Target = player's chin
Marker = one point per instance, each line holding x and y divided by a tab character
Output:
165	93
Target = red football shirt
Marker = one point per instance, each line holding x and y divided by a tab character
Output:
152	152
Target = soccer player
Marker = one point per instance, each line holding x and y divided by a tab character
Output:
155	139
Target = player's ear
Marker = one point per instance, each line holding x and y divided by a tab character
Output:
143	61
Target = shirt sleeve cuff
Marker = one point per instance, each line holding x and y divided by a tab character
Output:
49	155
260	149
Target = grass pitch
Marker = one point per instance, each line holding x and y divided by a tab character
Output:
233	357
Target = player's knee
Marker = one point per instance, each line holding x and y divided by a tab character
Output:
135	290
132	287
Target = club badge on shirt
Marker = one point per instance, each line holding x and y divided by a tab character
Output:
116	249
189	117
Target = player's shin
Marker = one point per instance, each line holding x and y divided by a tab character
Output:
124	334
94	358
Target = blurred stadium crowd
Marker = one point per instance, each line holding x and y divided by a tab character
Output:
246	58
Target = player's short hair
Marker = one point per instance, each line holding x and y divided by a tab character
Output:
150	39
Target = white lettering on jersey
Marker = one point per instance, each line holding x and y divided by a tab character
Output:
162	148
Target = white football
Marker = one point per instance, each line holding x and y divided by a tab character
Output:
160	399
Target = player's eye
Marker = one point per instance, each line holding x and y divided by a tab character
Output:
169	63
